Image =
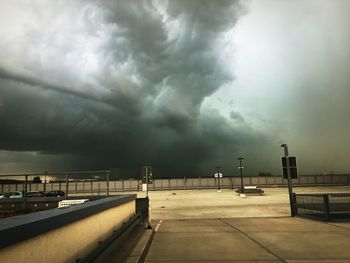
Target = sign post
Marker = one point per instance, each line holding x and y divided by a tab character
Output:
218	175
146	178
289	177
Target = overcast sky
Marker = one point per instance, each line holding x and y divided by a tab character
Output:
183	85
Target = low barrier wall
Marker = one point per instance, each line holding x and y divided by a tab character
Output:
63	235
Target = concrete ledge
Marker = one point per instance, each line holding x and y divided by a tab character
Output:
19	228
140	250
64	235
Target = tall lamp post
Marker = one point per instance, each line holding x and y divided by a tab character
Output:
241	171
290	189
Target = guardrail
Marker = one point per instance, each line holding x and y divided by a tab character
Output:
324	206
70	183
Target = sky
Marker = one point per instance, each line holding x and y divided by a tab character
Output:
183	85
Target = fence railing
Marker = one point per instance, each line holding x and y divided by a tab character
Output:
324	206
98	182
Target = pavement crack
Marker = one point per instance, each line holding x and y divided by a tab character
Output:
254	240
342	227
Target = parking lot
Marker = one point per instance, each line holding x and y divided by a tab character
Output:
211	226
227	203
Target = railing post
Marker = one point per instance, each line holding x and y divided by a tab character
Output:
315	179
67	186
25	192
295	204
326	206
91	187
107	177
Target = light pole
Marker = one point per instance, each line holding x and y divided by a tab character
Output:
45	173
218	173
241	171
290	187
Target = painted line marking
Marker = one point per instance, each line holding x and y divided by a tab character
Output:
158	224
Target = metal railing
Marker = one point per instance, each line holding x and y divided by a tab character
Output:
324	206
98	182
63	181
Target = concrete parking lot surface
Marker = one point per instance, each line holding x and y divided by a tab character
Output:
180	204
211	204
207	226
282	239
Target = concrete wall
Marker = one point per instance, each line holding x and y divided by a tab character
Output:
69	242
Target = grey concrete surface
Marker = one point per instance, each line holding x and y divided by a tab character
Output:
207	226
204	245
206	203
211	226
282	239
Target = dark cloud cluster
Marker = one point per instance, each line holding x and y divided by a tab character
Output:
120	84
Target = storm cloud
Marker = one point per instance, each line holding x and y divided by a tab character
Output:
182	85
117	83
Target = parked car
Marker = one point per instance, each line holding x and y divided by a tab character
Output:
55	193
35	194
2	195
15	194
